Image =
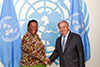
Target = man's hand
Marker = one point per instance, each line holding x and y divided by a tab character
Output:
47	61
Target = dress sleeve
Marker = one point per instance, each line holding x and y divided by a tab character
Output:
34	49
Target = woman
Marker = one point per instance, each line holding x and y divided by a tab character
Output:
32	47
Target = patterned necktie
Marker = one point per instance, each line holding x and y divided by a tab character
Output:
63	44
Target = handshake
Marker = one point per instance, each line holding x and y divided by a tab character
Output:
47	61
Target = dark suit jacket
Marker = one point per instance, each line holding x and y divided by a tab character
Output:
73	55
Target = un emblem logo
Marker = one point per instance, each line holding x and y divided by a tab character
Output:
9	31
48	13
77	24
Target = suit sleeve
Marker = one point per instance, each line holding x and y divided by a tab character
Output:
80	52
55	53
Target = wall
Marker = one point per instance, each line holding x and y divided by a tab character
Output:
94	33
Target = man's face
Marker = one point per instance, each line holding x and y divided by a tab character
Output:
33	28
63	28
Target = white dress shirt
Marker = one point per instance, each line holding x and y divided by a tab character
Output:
65	38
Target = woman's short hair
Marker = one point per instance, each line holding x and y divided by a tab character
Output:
32	21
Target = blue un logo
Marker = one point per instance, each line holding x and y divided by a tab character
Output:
48	13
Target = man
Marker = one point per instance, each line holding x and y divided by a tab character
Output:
70	52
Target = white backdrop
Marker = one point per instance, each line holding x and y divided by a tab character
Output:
94	33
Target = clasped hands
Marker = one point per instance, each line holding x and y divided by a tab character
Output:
47	61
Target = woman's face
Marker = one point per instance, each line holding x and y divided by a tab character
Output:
33	28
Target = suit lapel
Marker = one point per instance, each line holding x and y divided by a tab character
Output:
68	40
60	43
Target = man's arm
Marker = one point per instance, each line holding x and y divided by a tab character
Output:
55	53
81	53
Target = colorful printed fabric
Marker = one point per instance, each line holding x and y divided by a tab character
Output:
42	65
33	50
